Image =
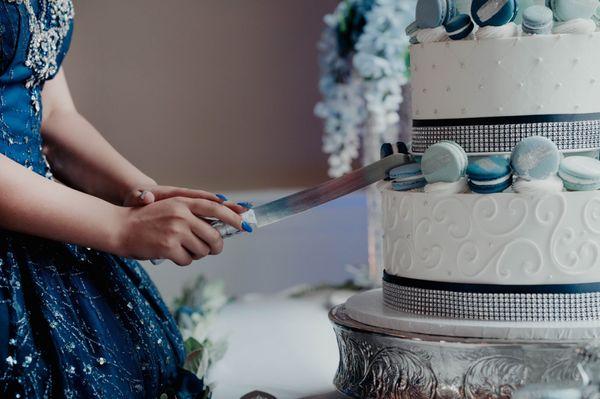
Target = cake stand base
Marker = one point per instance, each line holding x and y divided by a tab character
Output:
378	362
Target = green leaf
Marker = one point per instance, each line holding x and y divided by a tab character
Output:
192	345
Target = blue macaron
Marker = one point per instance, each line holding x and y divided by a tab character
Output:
459	27
537	20
580	173
566	10
489	175
535	158
445	161
407	177
494	12
434	13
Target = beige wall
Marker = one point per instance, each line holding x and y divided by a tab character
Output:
217	94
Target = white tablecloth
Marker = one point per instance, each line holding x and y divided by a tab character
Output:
282	346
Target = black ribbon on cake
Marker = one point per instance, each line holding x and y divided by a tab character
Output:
493	302
501	134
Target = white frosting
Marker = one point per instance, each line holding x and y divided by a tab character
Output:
496	32
432	35
553	184
526	75
445	188
503	238
491	182
577	26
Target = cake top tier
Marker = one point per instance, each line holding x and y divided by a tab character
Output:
506	77
487	95
486	82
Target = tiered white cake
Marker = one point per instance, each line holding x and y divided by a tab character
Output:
504	265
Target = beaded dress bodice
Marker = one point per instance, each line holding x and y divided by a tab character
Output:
34	38
74	322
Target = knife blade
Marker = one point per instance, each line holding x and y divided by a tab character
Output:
302	201
305	200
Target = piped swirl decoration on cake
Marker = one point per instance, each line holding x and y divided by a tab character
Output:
490	238
591	215
497	221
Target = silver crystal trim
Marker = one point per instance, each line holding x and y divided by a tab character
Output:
573	135
492	307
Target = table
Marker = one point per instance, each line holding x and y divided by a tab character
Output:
282	346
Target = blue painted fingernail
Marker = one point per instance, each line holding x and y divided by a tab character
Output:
247	228
221	197
246	205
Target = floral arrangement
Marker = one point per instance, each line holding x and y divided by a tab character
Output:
363	59
195	312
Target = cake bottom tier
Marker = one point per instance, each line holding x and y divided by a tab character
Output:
489	302
369	308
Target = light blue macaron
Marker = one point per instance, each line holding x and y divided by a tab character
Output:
489	174
412	29
402	171
407	177
459	27
434	13
445	161
566	10
580	173
494	12
537	20
535	158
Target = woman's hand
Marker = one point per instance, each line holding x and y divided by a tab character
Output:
175	228
149	194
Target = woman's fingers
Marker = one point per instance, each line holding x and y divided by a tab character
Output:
139	198
181	256
195	246
204	209
145	197
211	237
163	192
239	207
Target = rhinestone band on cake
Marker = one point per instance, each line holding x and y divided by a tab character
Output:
547	307
502	138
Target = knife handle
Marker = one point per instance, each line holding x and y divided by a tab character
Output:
224	230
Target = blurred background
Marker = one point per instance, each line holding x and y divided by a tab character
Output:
216	94
219	95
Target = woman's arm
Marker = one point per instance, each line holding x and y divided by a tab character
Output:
170	229
77	152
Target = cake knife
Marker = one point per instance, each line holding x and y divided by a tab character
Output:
302	201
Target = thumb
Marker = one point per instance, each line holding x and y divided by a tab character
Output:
145	198
139	198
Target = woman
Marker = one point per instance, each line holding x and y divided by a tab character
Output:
75	320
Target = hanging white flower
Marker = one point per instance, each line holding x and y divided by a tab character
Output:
361	86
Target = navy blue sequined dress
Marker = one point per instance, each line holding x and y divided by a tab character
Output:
74	322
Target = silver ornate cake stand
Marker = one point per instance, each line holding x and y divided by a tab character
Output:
383	363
